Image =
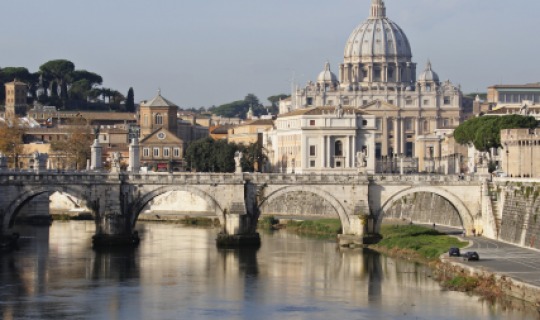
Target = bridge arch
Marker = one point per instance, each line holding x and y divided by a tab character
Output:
336	204
462	210
139	204
14	206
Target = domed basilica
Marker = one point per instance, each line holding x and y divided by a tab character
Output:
378	77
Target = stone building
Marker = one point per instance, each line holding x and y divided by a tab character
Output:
249	132
16	99
161	149
520	153
378	76
322	139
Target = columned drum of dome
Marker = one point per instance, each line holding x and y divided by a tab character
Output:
377	51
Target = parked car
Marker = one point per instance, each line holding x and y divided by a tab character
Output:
454	252
471	256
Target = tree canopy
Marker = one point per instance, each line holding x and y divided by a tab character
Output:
485	132
240	108
64	86
209	155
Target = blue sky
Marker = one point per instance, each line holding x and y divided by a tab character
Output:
209	52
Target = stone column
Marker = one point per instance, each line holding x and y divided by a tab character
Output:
134	156
322	152
396	135
95	158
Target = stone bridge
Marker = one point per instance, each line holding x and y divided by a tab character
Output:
361	202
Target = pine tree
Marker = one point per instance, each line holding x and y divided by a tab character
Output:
130	101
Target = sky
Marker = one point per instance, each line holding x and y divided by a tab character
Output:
211	52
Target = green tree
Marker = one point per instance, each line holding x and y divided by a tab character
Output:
58	72
11	140
77	145
208	155
485	132
130	101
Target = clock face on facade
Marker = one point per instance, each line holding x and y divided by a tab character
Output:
161	135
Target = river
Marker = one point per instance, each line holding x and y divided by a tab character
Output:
178	273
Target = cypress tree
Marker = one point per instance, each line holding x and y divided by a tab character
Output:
130	101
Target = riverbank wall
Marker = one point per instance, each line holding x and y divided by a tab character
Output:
503	284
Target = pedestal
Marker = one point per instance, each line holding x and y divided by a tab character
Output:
238	240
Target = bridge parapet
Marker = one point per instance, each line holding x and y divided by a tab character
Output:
183	178
447	179
303	179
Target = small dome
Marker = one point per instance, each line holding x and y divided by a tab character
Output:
428	75
327	76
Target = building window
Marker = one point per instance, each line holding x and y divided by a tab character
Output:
408	124
156	152
446	100
176	152
309	101
364	123
338	164
146	152
391	101
166	152
330	102
426	126
378	124
426	102
312	163
338	148
364	102
159	118
311	122
390	125
346	101
312	151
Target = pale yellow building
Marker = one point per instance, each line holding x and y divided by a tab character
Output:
521	151
249	132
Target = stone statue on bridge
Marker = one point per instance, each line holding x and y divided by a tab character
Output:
237	161
115	162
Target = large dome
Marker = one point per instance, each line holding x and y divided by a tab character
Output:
379	37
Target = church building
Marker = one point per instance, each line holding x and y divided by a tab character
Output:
378	77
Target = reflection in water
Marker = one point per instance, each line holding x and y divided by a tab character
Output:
177	273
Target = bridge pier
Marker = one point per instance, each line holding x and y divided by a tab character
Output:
114	230
239	229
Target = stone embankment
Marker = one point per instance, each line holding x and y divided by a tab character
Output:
487	283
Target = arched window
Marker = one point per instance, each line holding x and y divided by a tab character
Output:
338	149
159	118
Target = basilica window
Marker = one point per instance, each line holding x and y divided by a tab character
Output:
312	151
408	124
346	101
311	122
309	101
390	125
376	74
159	118
446	100
338	149
312	163
426	102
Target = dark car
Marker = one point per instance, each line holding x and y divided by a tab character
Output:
471	256
454	252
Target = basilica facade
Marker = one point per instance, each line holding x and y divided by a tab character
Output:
379	78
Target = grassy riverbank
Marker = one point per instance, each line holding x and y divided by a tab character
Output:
417	242
320	228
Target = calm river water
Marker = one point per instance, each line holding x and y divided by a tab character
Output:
178	273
